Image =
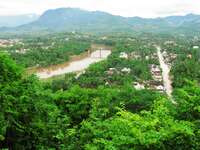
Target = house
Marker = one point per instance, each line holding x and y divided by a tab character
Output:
147	57
126	70
138	86
195	47
189	56
164	53
111	71
169	42
107	83
123	55
135	55
160	88
104	38
173	56
155	69
21	51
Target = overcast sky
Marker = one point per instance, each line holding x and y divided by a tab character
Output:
142	8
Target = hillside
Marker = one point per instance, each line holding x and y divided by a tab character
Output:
74	19
68	19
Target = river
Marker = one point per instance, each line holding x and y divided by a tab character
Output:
75	66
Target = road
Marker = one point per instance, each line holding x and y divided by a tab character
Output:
165	73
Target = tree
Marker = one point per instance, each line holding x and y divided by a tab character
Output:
155	129
29	117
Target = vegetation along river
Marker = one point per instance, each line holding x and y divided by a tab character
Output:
76	66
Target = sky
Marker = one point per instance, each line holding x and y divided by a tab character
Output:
127	8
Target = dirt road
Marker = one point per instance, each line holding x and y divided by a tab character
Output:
165	73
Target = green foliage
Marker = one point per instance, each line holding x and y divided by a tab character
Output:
97	74
9	71
147	130
83	112
188	99
75	102
185	69
29	117
57	53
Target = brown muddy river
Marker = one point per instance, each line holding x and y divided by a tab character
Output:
75	66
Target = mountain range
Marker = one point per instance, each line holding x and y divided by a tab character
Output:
75	19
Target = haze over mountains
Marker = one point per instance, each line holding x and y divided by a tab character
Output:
13	21
68	19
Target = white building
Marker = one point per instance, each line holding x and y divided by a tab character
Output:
160	88
147	57
126	70
123	55
195	47
138	86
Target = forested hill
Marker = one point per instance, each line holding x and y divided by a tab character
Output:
68	19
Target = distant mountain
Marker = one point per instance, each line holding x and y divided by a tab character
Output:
74	19
69	19
181	20
13	21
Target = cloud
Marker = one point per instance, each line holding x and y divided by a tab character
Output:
1	6
178	9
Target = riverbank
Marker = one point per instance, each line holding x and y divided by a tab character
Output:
94	47
75	65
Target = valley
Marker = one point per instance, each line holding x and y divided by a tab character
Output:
75	79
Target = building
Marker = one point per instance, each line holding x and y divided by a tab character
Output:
123	55
126	70
138	86
195	47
